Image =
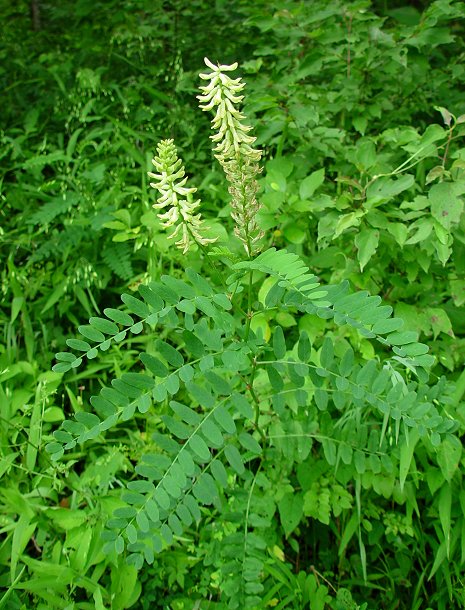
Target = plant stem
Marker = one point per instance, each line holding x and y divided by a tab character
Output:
249	307
459	389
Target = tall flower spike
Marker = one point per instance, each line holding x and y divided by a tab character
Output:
234	150
176	197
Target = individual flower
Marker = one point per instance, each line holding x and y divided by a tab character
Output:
177	198
234	149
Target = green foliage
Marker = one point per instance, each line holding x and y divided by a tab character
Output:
281	430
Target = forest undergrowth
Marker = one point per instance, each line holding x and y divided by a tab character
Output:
233	305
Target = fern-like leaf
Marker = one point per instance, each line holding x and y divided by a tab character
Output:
118	258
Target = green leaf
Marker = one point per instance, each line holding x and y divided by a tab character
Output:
150	297
185	413
135	305
402	338
205	488
193	344
242	405
309	185
304	347
234	458
446	206
169	353
152	511
119	545
275	379
61	367
91	333
249	443
327	353
161	498
154	365
387	326
290	511
224	419
219	472
449	454
366	242
131	533
81	346
279	343
445	506
104	326
406	455
142	521
440	321
88	419
212	433
119	316
200	448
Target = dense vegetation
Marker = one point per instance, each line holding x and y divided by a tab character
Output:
270	413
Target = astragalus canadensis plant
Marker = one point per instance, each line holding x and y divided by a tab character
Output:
247	430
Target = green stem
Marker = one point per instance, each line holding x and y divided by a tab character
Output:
212	264
446	152
255	400
459	389
249	307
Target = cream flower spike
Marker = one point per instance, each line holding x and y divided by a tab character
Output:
234	149
177	197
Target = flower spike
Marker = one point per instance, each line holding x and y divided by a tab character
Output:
177	197
234	149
